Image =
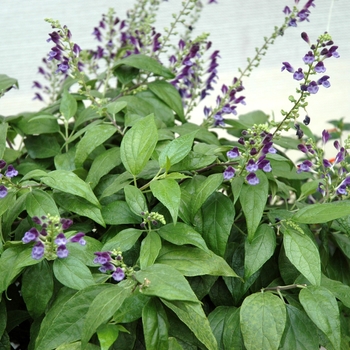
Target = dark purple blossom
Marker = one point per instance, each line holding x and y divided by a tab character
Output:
288	67
252	179
340	156
78	238
298	75
292	22
38	250
102	257
324	81
218	120
264	165
312	88
287	10
31	235
305	166
325	136
229	173
309	58
11	171
3	191
62	251
251	166
306	120
341	190
305	37
118	274
319	67
61	239
302	148
233	153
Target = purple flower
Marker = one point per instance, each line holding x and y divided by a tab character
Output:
324	81
287	10
97	34
218	120
63	67
305	37
107	267
298	75
38	250
252	179
288	67
55	37
76	49
66	223
333	52
292	22
306	120
102	257
312	88
61	239
342	190
346	181
30	235
251	166
3	191
79	237
11	171
326	163
229	173
264	165
305	166
118	274
302	148
62	251
320	68
325	136
233	153
309	58
340	156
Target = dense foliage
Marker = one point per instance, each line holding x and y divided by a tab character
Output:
126	226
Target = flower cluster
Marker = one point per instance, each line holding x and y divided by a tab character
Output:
5	181
257	144
151	218
301	15
50	241
113	261
333	173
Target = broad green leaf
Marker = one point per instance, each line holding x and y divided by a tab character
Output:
66	161
37	295
119	213
176	150
135	199
321	306
107	335
124	240
168	192
85	253
263	318
155	325
192	261
116	106
259	250
182	234
68	106
3	136
300	332
173	344
102	309
92	139
232	336
3	317
320	213
343	242
41	124
79	206
339	290
303	254
7	83
217	217
145	63
63	322
119	182
39	203
169	94
253	200
206	188
193	161
150	248
193	316
165	282
102	165
138	144
72	273
68	182
42	146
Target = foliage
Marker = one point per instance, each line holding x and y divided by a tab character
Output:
174	238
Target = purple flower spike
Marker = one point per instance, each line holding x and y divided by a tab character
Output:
325	136
252	179
288	67
61	239
11	171
62	251
3	191
309	58
30	235
320	68
312	88
229	173
118	274
251	166
38	251
298	75
79	237
233	153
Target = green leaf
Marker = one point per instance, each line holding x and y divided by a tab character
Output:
206	188
124	240
303	254
79	206
7	202
68	106
42	146
7	83
63	322
181	234
259	250
102	309
168	192
155	325
3	136
165	282
339	290
253	200
147	64
232	336
194	261
263	318
107	335
217	218
300	332
169	94
138	145
73	273
41	124
37	295
135	199
194	317
320	213
119	182
119	213
150	248
67	182
116	106
102	165
92	139
39	203
321	306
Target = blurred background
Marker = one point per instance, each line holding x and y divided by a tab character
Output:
236	27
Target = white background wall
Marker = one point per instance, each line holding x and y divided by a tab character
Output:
236	28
